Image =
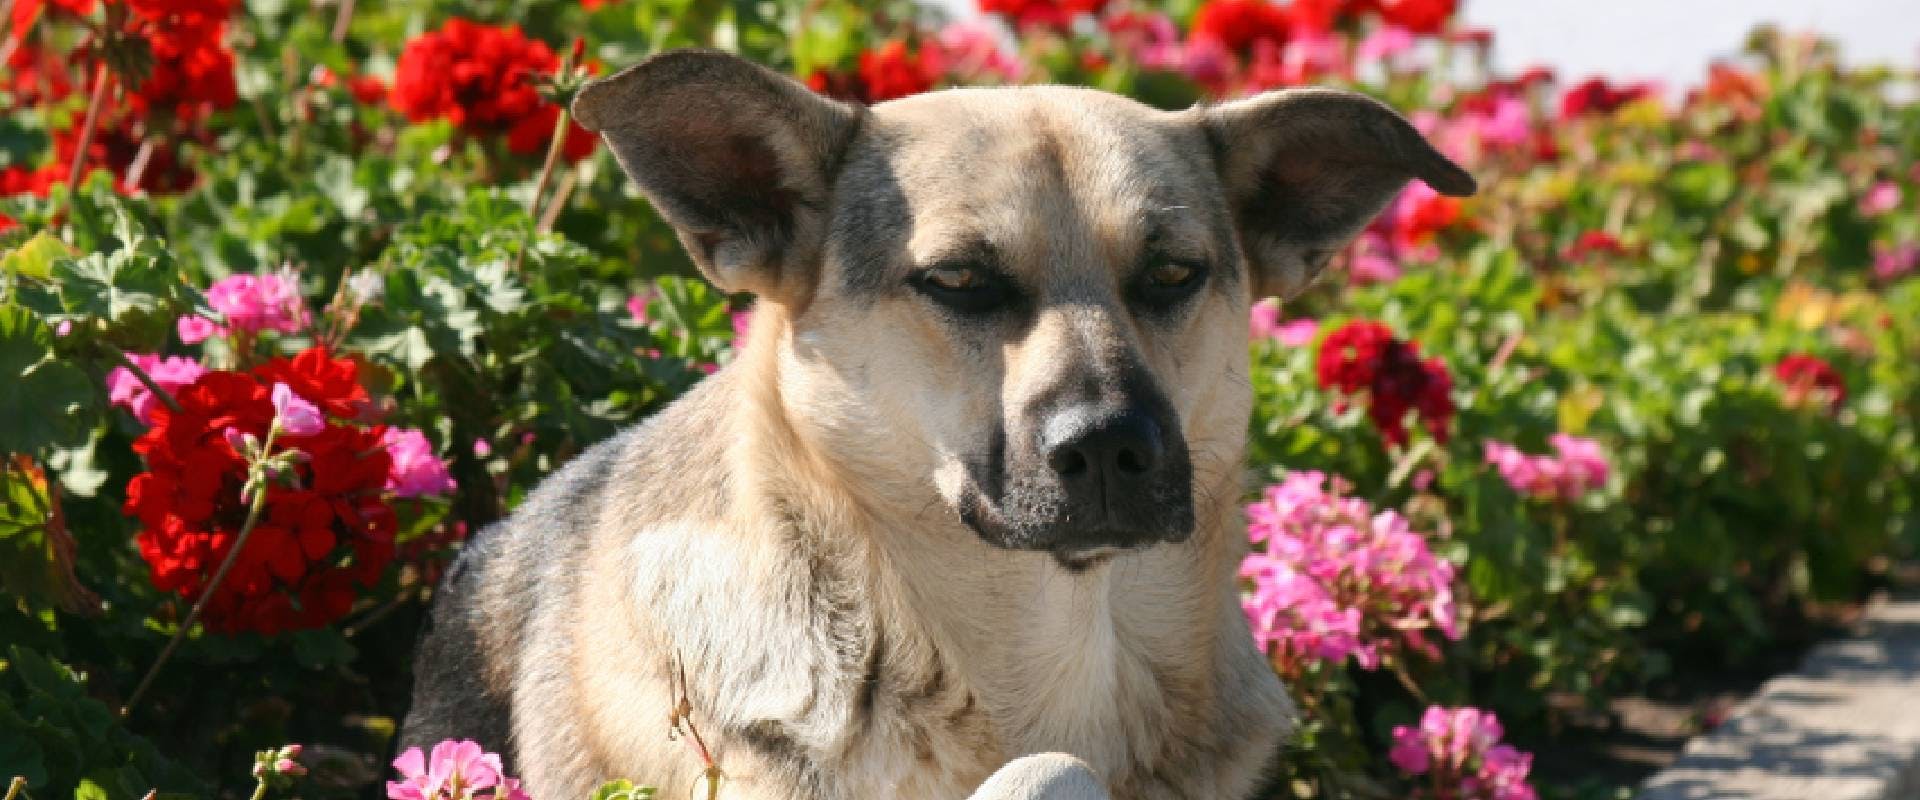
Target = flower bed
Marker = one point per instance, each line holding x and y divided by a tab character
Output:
329	295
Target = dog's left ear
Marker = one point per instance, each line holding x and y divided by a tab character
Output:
738	158
1306	169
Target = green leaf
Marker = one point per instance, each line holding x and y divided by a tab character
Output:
46	398
35	258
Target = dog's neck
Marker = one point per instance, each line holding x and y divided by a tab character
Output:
1078	638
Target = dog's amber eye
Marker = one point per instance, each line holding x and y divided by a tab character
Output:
965	289
953	279
1170	274
1166	285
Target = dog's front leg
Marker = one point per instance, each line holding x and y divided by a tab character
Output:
1046	776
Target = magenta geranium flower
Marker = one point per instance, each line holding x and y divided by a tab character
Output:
416	470
1330	579
251	303
1459	752
172	374
454	770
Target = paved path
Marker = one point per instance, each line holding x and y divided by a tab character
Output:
1845	726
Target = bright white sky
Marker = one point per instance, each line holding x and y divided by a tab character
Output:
1673	40
1670	40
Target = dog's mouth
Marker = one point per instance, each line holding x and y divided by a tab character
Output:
1086	558
1031	518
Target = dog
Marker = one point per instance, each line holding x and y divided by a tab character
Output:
962	517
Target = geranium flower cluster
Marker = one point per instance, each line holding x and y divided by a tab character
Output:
453	770
1577	466
1331	578
482	79
326	528
250	304
189	75
1458	750
1810	377
1363	358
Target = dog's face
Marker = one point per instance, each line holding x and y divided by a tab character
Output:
1033	299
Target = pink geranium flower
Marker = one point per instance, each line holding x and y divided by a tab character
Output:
973	53
1263	320
454	770
1459	751
1577	466
1880	199
416	471
250	303
1298	332
295	416
172	374
1331	579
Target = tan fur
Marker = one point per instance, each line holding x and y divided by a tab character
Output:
789	529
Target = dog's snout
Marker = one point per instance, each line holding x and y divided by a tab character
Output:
1101	458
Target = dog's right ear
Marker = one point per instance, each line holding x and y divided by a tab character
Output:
738	158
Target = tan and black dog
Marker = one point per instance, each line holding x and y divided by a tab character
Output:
970	493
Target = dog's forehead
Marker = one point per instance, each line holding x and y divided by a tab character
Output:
1040	173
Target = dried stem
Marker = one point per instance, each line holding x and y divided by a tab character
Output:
94	104
681	717
341	19
142	376
546	173
138	169
258	504
17	788
568	180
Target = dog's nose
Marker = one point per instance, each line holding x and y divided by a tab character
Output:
1102	457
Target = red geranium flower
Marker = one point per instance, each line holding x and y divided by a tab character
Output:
1419	16
1593	242
1323	15
482	78
1363	357
1808	376
1238	24
890	71
331	383
1053	14
367	90
1597	96
324	530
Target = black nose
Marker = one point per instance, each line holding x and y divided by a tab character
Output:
1103	458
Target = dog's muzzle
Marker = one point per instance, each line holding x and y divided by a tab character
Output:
1094	480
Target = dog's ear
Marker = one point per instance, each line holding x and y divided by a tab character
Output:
1306	169
738	158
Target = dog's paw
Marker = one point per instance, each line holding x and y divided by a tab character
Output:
1044	776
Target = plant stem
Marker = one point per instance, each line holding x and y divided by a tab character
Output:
145	379
546	173
92	120
259	503
340	21
17	788
260	789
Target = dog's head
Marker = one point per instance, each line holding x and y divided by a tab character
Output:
1033	299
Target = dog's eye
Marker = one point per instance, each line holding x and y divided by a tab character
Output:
1166	284
967	290
1171	275
953	279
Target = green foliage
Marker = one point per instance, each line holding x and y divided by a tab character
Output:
58	738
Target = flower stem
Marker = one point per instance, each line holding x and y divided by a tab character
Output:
92	121
259	503
340	22
145	379
260	789
546	173
17	788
